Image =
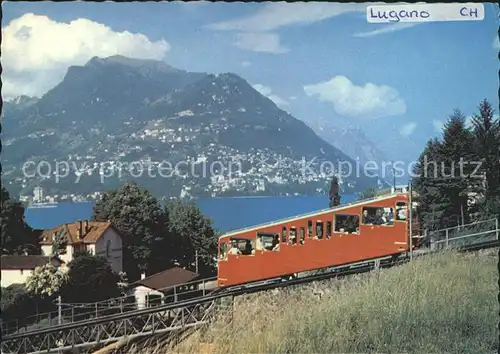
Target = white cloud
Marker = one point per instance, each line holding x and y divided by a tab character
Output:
275	15
246	64
256	35
408	129
387	29
438	125
261	42
292	98
368	101
266	91
37	50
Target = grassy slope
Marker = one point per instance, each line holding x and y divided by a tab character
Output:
444	303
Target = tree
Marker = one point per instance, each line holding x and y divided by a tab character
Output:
427	183
12	295
192	232
46	280
14	299
90	279
446	177
334	193
123	283
141	222
456	151
17	236
58	243
486	133
20	305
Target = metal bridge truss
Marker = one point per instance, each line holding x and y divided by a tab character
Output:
110	329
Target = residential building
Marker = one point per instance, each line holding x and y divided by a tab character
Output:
38	194
99	238
159	287
16	269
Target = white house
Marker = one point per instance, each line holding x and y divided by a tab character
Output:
99	238
158	288
16	269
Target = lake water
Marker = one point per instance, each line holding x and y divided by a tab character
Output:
226	213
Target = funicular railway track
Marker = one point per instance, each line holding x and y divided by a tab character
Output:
191	313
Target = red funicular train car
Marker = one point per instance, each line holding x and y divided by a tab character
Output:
345	234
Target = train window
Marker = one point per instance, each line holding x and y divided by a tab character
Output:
302	235
309	228
319	229
283	234
346	223
268	241
243	246
328	229
293	236
401	211
378	216
222	251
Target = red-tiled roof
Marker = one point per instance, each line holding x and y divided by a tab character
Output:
91	232
167	278
23	262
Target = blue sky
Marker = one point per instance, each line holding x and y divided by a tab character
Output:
312	59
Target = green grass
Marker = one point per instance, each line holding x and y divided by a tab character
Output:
446	303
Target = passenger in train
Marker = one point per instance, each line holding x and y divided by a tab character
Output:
248	247
293	236
351	225
234	248
258	245
385	219
401	214
377	220
367	219
391	217
275	246
319	230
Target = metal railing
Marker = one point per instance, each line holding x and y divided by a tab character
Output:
463	235
75	312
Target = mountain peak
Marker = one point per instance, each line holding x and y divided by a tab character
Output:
133	63
23	99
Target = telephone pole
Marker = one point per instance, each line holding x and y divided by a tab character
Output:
410	214
393	177
59	310
196	260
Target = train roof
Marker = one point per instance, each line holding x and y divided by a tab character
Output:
314	213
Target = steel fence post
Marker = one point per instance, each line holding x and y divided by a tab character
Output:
496	227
